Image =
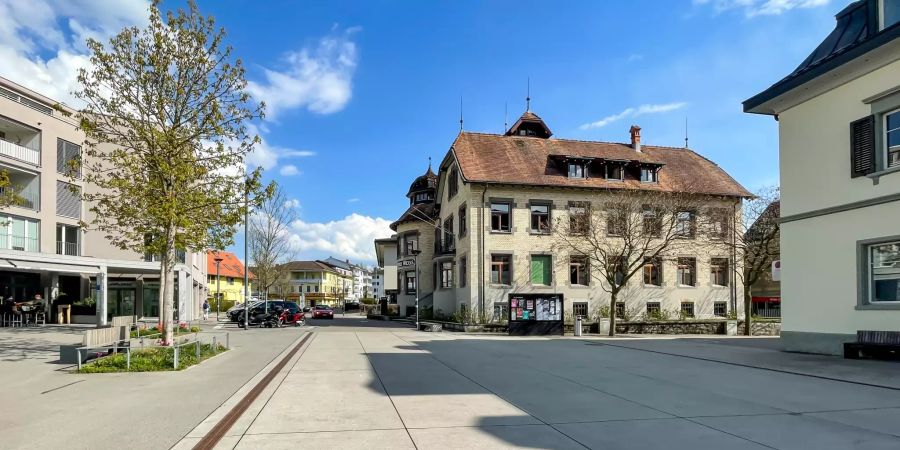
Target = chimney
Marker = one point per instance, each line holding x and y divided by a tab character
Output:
635	138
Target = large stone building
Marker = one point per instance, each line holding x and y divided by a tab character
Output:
838	116
42	248
474	232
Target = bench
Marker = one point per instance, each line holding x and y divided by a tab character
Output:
430	326
874	344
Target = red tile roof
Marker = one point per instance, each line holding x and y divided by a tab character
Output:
499	159
229	267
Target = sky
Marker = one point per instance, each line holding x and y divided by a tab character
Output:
360	94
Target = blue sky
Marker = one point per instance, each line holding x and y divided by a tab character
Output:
360	94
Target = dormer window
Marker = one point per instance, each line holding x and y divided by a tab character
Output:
615	171
423	197
453	183
649	174
577	170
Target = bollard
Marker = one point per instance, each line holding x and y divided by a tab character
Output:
577	325
228	340
128	358
215	347
78	350
198	350
175	361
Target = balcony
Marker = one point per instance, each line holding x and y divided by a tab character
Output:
20	142
26	186
18	242
67	248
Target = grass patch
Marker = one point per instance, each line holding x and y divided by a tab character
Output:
155	330
156	359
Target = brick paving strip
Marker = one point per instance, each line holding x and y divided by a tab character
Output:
217	432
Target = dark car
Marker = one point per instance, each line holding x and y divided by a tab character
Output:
259	308
322	312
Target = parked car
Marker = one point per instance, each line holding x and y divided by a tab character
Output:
323	312
260	307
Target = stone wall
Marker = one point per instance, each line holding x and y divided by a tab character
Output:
672	327
762	328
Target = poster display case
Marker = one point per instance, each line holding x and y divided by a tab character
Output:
535	314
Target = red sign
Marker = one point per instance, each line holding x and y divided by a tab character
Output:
766	299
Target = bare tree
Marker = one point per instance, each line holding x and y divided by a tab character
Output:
270	240
627	232
755	239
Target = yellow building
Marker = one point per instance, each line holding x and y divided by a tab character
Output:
318	283
230	278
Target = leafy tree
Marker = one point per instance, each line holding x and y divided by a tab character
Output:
166	114
8	193
625	233
270	240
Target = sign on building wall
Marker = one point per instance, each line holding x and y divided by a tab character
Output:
776	270
535	314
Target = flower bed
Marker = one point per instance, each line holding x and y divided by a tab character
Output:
154	359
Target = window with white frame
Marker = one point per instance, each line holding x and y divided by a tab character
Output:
718	271
649	174
578	270
883	274
540	218
577	170
446	274
687	268
892	138
500	220
17	233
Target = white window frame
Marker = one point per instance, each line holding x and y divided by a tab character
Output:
886	151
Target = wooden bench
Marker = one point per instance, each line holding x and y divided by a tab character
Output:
430	326
874	344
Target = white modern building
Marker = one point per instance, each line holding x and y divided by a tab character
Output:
378	283
839	133
42	248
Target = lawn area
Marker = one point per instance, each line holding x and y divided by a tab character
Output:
154	331
156	359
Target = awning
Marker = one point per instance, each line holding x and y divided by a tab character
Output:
35	266
766	299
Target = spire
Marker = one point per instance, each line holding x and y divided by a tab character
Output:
505	113
685	132
429	165
528	96
460	118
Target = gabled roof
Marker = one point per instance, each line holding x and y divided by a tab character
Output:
340	264
855	34
309	266
230	266
497	159
416	213
532	121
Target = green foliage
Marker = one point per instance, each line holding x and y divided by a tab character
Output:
8	193
732	315
157	359
153	331
465	316
662	314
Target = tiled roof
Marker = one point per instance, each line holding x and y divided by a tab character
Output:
416	213
230	266
491	158
309	266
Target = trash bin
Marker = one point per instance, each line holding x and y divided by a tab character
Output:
577	325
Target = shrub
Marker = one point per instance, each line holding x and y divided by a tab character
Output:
156	359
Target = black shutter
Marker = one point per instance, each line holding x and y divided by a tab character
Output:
862	147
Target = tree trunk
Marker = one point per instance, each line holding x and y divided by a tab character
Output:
612	314
748	300
167	286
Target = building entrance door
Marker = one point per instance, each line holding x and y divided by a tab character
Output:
121	301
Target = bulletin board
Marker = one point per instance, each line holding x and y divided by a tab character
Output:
535	314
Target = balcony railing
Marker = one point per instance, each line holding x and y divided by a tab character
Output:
21	243
27	199
67	248
16	151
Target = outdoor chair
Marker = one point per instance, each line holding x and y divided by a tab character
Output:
16	319
41	317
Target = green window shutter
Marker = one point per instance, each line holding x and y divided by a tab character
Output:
540	269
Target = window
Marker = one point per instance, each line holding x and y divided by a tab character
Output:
577	170
411	244
501	312
500	269
540	218
579	217
883	272
500	212
687	309
652	272
230	280
649	174
890	13
68	200
686	269
463	267
68	158
652	221
307	288
620	310
453	184
449	241
720	309
578	270
67	240
541	269
446	274
616	221
653	308
615	268
684	224
892	132
718	271
580	309
718	223
410	283
316	288
424	197
463	226
615	171
19	234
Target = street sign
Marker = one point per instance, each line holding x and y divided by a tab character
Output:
776	270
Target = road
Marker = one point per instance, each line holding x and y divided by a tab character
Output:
364	384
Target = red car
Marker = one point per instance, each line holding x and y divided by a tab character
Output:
323	312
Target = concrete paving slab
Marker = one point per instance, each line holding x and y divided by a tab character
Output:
336	341
325	359
667	434
800	432
424	411
497	437
327	401
345	440
881	420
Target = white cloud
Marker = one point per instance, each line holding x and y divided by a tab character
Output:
352	200
292	204
316	78
289	170
268	156
634	112
39	54
348	238
753	8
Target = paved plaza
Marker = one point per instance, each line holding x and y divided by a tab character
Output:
361	384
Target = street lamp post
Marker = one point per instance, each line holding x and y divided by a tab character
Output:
218	260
